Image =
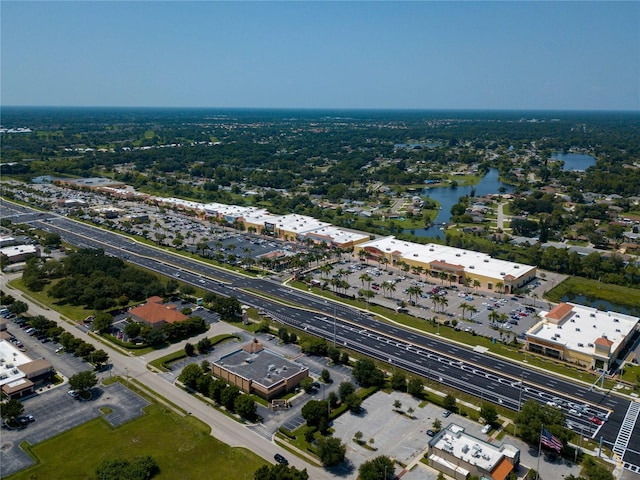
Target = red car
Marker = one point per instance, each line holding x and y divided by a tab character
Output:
596	420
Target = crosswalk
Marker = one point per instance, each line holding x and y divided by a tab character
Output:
624	435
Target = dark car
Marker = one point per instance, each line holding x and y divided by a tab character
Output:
280	459
431	433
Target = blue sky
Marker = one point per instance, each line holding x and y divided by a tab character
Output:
418	55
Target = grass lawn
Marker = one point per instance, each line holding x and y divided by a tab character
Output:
69	311
182	447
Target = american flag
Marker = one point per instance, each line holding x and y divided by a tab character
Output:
549	440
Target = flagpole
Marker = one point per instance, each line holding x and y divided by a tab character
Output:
539	452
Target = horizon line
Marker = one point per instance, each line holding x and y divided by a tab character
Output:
405	109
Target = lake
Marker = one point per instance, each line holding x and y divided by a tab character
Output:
449	196
576	162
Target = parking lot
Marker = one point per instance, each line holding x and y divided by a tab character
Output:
492	314
56	412
405	439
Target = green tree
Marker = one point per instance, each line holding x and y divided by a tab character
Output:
190	375
397	405
533	415
102	322
82	382
489	413
18	307
11	409
307	384
353	402
99	358
416	387
141	468
325	376
132	329
367	374
228	397
315	412
331	451
377	468
204	346
399	381
449	403
245	407
345	389
280	472
189	349
437	425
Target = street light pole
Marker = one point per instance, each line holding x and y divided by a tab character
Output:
334	325
520	395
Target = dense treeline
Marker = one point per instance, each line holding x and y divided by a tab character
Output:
321	150
91	278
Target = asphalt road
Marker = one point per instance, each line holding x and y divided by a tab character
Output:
481	374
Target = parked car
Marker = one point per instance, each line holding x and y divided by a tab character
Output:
446	413
486	428
596	420
431	433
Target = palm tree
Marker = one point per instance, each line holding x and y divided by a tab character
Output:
494	316
385	260
435	299
414	290
466	281
324	270
443	276
463	306
472	309
385	287
476	284
452	278
500	287
391	288
366	278
444	303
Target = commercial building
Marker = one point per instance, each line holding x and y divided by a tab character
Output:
582	335
19	374
155	313
19	253
460	455
453	265
262	372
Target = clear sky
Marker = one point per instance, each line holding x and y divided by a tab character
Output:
419	55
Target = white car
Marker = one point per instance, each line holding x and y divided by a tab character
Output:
486	428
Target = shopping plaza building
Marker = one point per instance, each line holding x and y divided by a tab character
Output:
585	336
458	266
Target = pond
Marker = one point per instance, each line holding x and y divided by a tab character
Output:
449	196
603	305
575	162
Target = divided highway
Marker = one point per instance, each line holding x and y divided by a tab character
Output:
480	374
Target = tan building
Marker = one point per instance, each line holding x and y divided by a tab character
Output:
262	372
582	335
460	455
19	374
453	265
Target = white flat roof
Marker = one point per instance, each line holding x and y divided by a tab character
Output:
299	223
338	235
471	450
473	262
14	250
10	360
580	328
